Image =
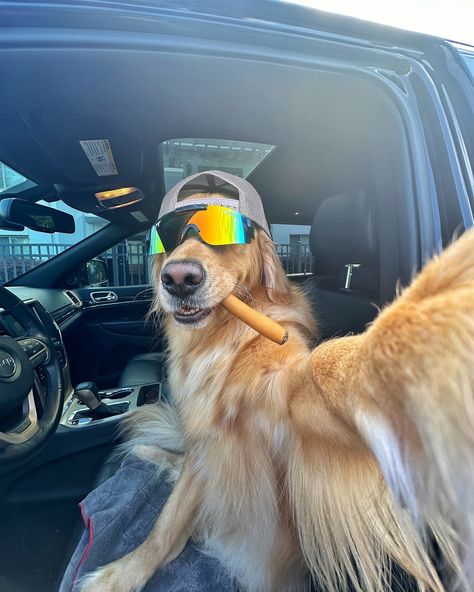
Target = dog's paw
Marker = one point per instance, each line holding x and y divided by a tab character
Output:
110	578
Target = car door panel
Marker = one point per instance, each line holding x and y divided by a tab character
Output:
109	333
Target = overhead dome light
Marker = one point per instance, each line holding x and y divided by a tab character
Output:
119	198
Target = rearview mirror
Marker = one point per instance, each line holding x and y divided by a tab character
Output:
35	216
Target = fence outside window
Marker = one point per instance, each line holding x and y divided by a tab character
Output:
17	258
127	262
295	258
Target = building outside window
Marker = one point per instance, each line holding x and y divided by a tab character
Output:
299	239
292	246
15	243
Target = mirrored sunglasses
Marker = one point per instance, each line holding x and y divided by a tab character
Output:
215	225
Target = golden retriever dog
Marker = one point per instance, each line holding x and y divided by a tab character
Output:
292	463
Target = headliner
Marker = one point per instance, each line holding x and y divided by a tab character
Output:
328	127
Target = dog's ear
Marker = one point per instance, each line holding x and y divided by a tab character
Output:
274	278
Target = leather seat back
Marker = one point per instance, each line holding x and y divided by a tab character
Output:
345	286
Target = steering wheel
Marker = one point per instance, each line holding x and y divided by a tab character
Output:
26	421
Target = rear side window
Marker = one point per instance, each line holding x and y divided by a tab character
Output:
468	58
185	156
470	64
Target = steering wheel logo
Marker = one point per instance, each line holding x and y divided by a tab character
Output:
7	365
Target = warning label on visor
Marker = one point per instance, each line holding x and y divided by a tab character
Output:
100	156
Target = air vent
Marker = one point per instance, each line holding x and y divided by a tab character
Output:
73	298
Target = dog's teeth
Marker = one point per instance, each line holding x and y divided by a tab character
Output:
186	311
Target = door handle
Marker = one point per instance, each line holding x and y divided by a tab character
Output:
101	297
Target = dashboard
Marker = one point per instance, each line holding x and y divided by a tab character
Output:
64	315
96	331
60	304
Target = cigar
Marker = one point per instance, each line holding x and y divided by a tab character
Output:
255	319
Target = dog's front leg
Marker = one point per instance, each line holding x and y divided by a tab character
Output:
167	539
407	386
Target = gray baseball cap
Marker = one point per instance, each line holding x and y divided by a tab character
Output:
238	195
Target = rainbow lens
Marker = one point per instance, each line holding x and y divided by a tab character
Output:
215	225
219	225
156	244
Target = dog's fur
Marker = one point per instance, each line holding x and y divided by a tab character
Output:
336	462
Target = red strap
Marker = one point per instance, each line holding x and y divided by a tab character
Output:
88	524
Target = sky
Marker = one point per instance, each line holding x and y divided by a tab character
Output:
450	19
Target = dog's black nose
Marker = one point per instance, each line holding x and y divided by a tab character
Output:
182	278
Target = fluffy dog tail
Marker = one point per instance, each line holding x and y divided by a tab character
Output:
153	433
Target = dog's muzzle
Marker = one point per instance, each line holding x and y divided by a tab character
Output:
182	279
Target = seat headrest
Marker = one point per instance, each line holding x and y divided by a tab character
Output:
344	230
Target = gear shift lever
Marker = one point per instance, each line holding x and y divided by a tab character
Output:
88	394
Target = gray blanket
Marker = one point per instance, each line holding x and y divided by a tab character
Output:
118	516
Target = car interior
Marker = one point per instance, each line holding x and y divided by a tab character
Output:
342	163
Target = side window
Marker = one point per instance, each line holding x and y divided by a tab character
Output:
126	263
292	245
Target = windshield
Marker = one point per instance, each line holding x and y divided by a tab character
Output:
21	250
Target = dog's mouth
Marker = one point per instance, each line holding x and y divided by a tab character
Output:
187	315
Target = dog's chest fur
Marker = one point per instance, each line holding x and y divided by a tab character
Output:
237	444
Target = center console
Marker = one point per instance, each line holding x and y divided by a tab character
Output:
119	400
